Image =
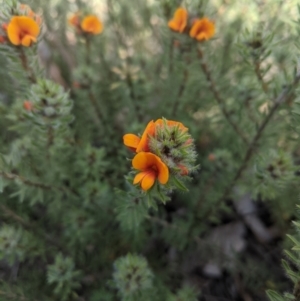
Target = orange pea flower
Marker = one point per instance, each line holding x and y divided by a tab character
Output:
27	105
91	24
202	29
138	144
151	168
179	21
22	30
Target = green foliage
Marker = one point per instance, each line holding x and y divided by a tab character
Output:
71	217
17	245
132	277
63	275
184	294
291	267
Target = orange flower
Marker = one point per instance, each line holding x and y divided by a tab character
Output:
27	105
138	144
22	30
144	143
151	168
74	20
91	24
2	39
179	21
202	29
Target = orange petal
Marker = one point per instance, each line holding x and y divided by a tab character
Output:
28	40
179	21
174	25
149	162
202	29
195	28
91	24
132	141
143	161
148	180
163	171
13	32
139	177
144	143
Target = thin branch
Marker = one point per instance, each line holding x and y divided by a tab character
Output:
250	111
29	72
133	96
92	98
180	92
218	97
34	228
12	177
88	50
171	55
94	104
264	85
282	98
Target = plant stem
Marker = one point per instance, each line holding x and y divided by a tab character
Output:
180	92
171	55
218	97
264	85
94	103
91	95
133	97
26	67
88	50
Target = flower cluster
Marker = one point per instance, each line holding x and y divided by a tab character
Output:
165	150
200	29
23	28
87	25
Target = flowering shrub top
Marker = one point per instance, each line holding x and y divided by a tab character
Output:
164	148
200	29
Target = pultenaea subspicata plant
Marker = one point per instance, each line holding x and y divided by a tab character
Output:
165	152
71	88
